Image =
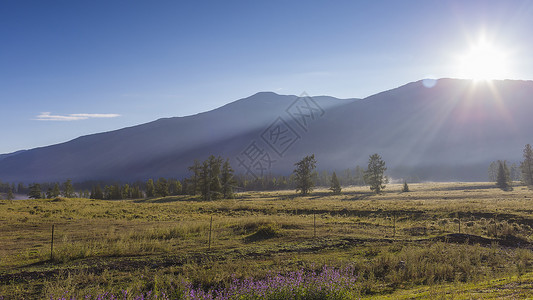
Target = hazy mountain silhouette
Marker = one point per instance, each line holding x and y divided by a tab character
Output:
2	156
450	131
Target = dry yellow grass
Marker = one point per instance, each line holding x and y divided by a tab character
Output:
356	225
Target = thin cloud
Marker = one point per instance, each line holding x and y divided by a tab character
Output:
47	116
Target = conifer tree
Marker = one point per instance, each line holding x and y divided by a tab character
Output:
49	193
10	194
304	174
405	188
193	182
216	188
56	192
20	188
516	173
527	166
150	188
68	190
35	191
325	178
348	180
136	192
116	193
97	193
209	181
108	192
359	175
227	180
174	187
503	179
178	187
493	171
126	191
185	187
335	186
374	175
93	193
161	187
204	180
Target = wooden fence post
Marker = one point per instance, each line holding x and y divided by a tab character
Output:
52	245
394	225
495	227
314	225
210	228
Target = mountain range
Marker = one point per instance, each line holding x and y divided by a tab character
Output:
440	130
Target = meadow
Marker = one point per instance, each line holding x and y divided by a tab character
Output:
440	240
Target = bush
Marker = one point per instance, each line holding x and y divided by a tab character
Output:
266	231
59	199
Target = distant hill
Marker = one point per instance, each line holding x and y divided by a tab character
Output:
451	131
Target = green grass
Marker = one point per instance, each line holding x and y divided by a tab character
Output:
399	243
512	287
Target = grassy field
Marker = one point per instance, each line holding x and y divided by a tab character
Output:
441	240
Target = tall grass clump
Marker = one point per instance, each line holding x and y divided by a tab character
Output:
266	231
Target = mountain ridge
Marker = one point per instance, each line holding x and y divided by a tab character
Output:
417	129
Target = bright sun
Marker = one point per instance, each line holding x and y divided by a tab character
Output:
483	61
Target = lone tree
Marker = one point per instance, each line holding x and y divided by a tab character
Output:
527	166
503	179
304	174
374	173
405	188
335	186
209	180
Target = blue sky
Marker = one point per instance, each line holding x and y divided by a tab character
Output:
71	68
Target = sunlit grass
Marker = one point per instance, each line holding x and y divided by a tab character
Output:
388	238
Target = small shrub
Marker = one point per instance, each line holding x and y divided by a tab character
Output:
266	231
246	227
59	199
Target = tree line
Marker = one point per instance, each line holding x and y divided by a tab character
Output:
214	178
186	186
9	189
